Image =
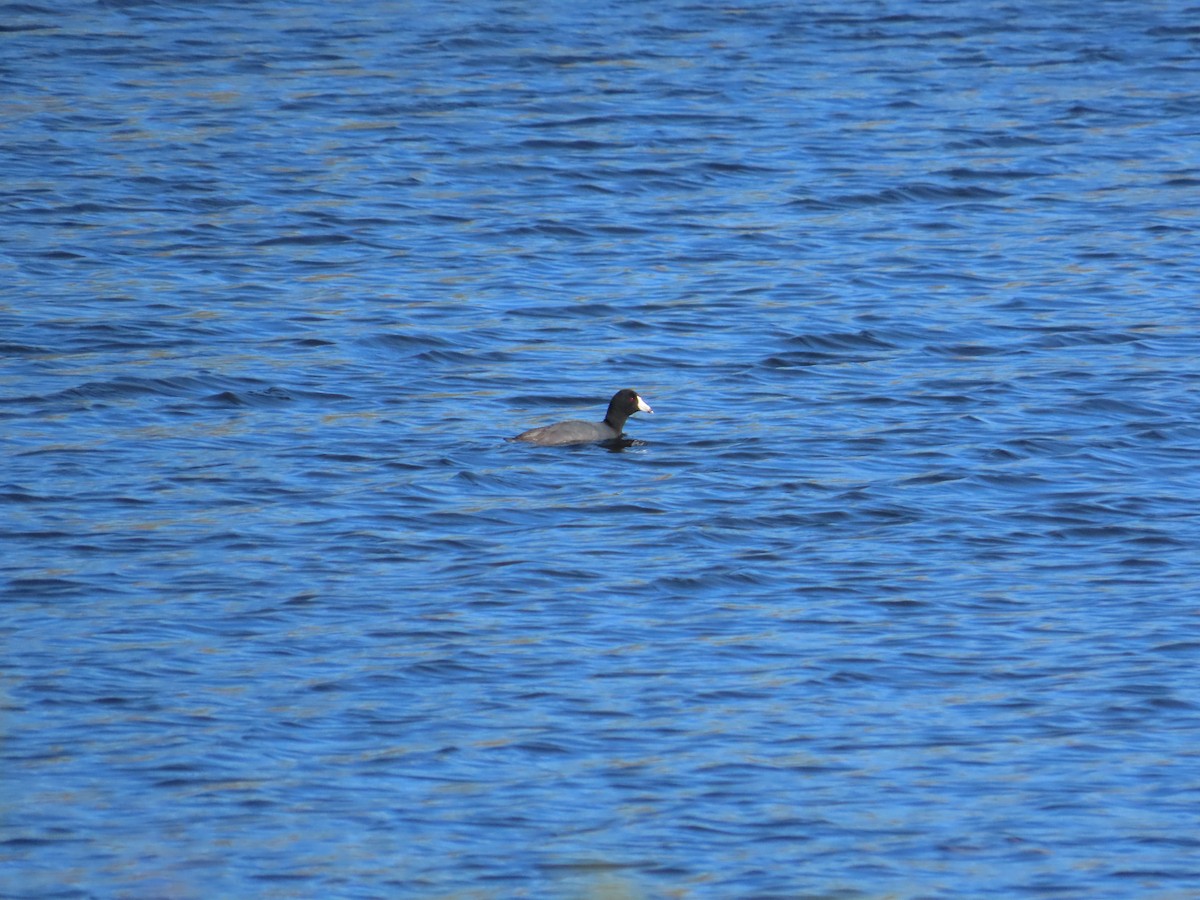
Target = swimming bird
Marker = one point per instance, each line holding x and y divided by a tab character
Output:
575	431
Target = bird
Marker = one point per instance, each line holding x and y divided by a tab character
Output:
624	404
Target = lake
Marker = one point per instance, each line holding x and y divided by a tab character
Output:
894	595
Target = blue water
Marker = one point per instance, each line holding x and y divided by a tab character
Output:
897	593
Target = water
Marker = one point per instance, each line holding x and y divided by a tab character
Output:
894	596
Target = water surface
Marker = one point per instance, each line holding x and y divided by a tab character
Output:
894	596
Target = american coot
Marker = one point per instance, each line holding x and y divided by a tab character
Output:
623	405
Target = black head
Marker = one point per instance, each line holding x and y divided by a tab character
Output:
623	405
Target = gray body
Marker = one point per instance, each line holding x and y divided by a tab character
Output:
573	431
